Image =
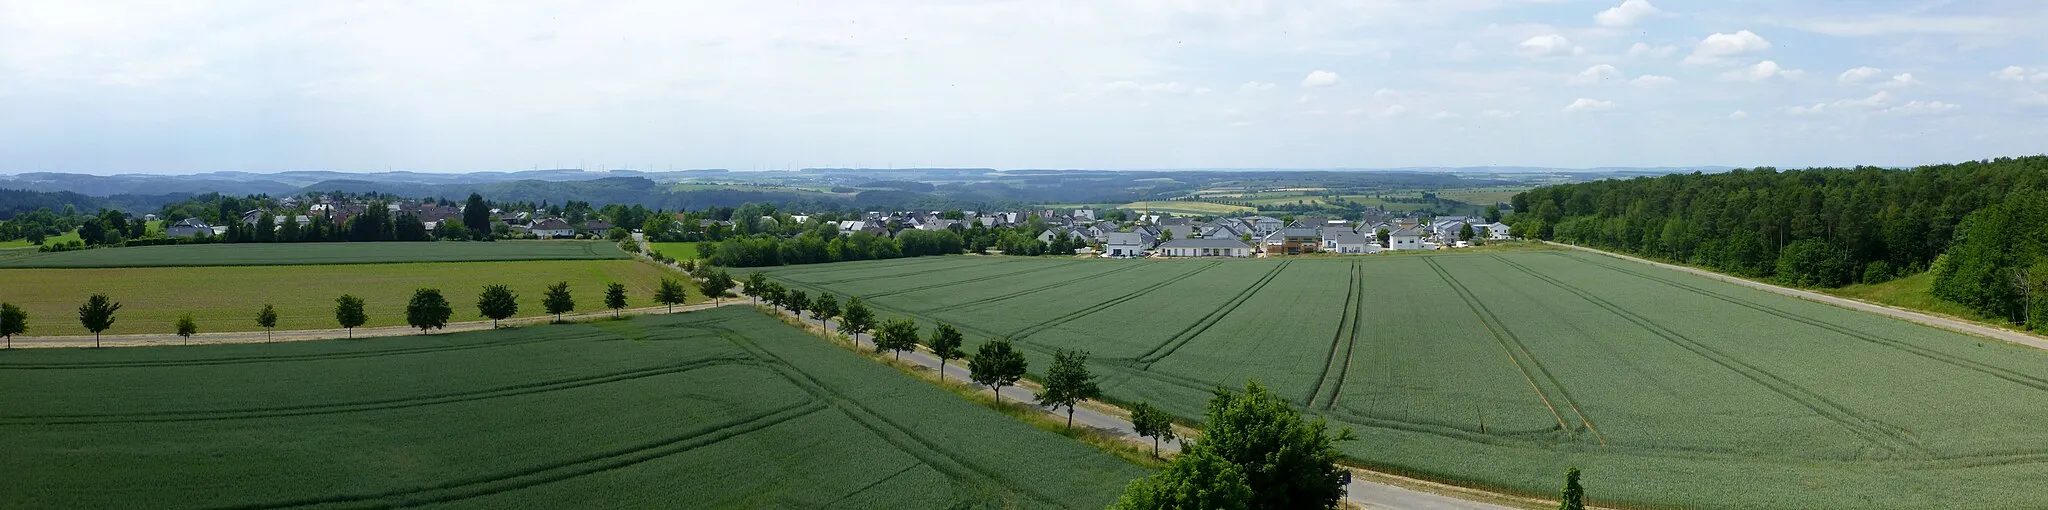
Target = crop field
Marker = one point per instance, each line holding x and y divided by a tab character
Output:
273	254
227	298
679	251
1186	207
1500	370
710	409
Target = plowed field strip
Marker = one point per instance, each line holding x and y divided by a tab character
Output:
1021	334
1346	322
1478	313
1351	339
910	273
1033	290
969	280
1193	330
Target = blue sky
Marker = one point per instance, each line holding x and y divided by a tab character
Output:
180	87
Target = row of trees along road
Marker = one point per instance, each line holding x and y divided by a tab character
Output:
428	310
1980	228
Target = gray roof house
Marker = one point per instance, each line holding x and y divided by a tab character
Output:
188	227
1219	247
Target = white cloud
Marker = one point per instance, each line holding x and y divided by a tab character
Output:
1922	108
1738	115
1643	50
1255	86
1628	13
1596	74
1500	114
1548	46
1900	80
1803	111
1760	72
1652	80
1858	75
1877	100
1721	48
2021	74
1169	87
1589	105
1465	52
1393	111
1320	78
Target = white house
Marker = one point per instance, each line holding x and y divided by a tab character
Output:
1347	241
1124	244
1219	247
552	227
1404	239
1496	230
1263	226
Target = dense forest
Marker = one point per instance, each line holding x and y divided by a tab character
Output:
1979	227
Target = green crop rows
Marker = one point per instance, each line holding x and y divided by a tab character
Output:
718	408
272	254
1501	370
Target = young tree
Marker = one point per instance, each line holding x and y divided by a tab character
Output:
267	319
773	293
1573	497
823	308
477	215
1151	422
97	314
898	335
796	302
1287	461
716	285
497	302
1196	479
670	293
615	297
348	310
1068	383
1465	232
558	301
856	319
428	310
13	321
755	283
996	365
186	327
945	344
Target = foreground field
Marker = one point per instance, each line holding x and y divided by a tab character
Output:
1501	370
720	408
227	298
272	254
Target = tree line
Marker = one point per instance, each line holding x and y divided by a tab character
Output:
1977	226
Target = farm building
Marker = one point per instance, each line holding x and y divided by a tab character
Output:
1219	247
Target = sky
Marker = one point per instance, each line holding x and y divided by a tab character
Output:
108	87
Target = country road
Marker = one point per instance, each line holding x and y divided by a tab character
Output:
1923	318
1363	491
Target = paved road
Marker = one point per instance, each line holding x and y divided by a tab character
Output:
1957	325
298	335
1362	492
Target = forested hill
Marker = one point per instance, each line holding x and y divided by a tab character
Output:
1827	227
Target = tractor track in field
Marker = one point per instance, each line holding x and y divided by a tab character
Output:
1876	431
912	273
1188	334
1085	311
432	349
1033	290
1346	338
1930	354
477	486
371	405
969	280
903	437
1509	344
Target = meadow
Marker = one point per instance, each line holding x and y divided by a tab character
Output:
225	298
1501	370
1187	207
677	250
271	254
710	409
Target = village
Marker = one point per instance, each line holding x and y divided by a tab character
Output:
1162	235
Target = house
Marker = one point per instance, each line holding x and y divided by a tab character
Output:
188	227
1263	226
1126	244
1084	214
1495	231
1181	231
1405	238
551	228
250	218
1053	233
1347	241
598	226
1226	229
149	217
1205	248
1298	240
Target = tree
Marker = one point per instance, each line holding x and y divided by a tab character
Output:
773	293
823	308
1288	462
996	365
897	335
186	327
267	319
1573	497
1197	479
1068	383
266	229
1492	214
1382	235
13	321
1152	422
615	297
945	344
92	231
796	302
497	302
1465	232
476	214
716	285
557	300
348	310
97	314
755	284
856	319
427	310
670	293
